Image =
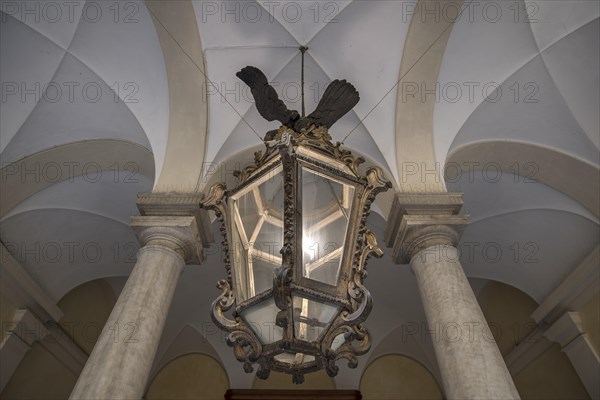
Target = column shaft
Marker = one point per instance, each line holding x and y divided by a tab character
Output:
120	363
470	362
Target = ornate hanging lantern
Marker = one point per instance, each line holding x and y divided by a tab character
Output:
296	243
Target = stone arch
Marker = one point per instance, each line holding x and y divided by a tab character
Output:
555	168
177	31
69	161
414	115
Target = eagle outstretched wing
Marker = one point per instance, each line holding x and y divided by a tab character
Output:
339	98
268	104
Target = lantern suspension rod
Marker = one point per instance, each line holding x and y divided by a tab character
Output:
303	50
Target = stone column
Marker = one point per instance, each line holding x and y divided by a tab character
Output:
120	363
423	231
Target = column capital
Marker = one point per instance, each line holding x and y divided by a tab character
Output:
174	221
421	220
565	329
177	205
175	233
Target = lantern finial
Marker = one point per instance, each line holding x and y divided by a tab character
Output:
339	98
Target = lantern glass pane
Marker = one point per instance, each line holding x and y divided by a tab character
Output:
257	233
294	358
311	318
326	206
261	318
338	341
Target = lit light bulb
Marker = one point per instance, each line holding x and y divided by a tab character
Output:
310	248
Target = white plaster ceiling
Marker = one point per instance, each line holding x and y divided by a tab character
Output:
126	64
552	61
339	49
63	248
362	42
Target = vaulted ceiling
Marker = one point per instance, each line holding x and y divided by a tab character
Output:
504	99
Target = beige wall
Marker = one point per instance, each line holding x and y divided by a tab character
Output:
192	376
198	376
508	312
590	317
551	375
7	312
86	309
40	375
313	381
398	377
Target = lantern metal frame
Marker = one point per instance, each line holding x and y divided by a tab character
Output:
290	150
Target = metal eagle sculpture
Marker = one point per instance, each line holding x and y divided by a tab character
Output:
339	98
